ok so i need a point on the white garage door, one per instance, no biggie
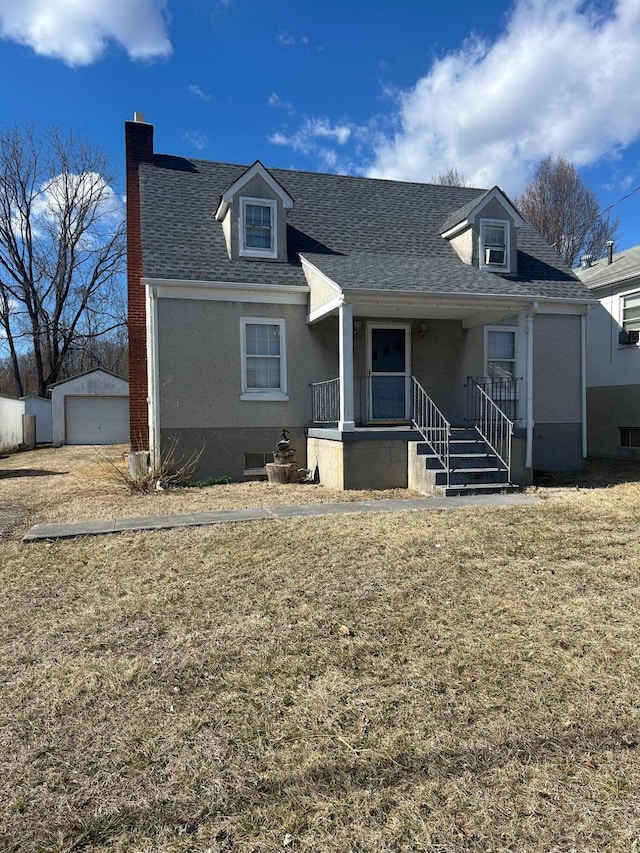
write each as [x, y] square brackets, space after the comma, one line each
[97, 420]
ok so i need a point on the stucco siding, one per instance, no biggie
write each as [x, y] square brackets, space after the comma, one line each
[201, 371]
[437, 365]
[463, 245]
[556, 369]
[321, 292]
[221, 452]
[557, 447]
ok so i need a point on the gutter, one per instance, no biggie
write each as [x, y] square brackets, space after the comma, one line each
[529, 333]
[153, 376]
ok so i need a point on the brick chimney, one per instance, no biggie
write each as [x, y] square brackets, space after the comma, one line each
[138, 149]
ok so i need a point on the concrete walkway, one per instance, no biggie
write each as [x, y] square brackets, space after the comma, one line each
[198, 519]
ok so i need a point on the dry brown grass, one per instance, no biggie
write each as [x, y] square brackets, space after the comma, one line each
[78, 484]
[464, 680]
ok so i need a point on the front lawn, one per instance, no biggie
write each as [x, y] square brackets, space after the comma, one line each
[435, 680]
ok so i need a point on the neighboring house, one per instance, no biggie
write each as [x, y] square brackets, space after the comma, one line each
[613, 360]
[91, 408]
[346, 310]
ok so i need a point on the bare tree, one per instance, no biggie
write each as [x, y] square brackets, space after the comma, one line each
[451, 177]
[566, 211]
[61, 249]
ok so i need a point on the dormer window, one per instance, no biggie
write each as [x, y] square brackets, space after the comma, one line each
[494, 245]
[258, 228]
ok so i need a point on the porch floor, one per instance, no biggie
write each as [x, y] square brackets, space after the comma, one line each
[401, 432]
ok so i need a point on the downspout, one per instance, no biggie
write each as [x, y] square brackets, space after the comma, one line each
[529, 332]
[583, 377]
[153, 376]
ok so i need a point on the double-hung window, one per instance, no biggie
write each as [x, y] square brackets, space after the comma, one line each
[494, 245]
[501, 353]
[264, 367]
[631, 318]
[258, 237]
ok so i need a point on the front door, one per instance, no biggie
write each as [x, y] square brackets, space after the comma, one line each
[389, 359]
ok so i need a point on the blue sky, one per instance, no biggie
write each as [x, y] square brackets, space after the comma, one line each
[398, 89]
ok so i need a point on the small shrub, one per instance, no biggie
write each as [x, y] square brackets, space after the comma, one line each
[169, 473]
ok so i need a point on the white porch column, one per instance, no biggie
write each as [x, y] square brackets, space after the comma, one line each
[583, 378]
[529, 383]
[345, 322]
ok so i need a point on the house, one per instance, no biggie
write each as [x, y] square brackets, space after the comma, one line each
[371, 318]
[90, 408]
[613, 355]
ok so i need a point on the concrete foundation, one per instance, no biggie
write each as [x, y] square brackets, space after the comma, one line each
[358, 461]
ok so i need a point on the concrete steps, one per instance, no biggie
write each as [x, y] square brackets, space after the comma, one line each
[473, 468]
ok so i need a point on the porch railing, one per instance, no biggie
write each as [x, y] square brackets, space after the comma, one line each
[375, 398]
[490, 421]
[325, 401]
[502, 390]
[431, 424]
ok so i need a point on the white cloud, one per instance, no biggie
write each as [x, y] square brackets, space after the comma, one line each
[305, 139]
[276, 101]
[288, 40]
[78, 33]
[562, 78]
[312, 140]
[196, 138]
[83, 204]
[285, 39]
[199, 93]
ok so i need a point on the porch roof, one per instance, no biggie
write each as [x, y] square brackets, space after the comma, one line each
[539, 277]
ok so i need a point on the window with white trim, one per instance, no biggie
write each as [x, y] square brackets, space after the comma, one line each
[258, 228]
[630, 319]
[494, 245]
[264, 366]
[501, 353]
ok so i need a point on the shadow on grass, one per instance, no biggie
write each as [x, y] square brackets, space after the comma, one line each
[8, 474]
[598, 474]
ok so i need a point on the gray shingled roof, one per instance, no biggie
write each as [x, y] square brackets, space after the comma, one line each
[461, 214]
[625, 265]
[363, 233]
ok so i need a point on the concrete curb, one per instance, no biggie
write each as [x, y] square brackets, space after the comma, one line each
[41, 532]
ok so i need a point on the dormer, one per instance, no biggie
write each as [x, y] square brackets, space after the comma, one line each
[252, 212]
[484, 233]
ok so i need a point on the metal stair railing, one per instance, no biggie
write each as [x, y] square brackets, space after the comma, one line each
[325, 401]
[431, 424]
[491, 422]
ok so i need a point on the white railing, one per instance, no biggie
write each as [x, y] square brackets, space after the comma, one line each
[491, 422]
[431, 424]
[325, 401]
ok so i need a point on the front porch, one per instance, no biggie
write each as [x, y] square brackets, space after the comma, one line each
[409, 372]
[422, 450]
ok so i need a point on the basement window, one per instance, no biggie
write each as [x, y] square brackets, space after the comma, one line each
[254, 464]
[630, 437]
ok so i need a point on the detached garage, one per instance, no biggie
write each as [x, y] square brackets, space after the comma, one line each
[91, 408]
